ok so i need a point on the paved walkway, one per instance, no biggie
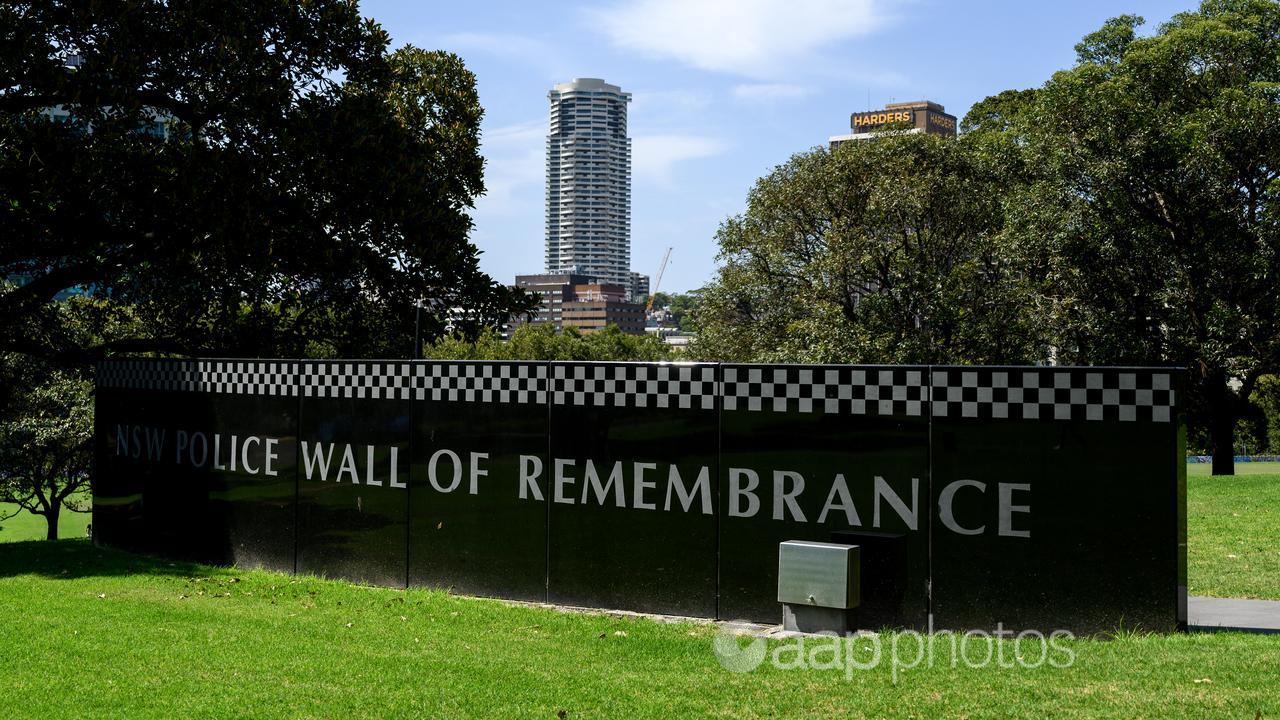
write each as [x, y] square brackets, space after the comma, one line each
[1223, 614]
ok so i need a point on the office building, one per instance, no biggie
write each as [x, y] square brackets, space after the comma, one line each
[570, 300]
[920, 116]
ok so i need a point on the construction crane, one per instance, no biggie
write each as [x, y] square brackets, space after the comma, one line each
[657, 281]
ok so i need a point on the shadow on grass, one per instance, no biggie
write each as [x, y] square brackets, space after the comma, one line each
[68, 559]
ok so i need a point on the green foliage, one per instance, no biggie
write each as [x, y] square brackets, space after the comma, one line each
[541, 342]
[1266, 396]
[999, 113]
[46, 414]
[878, 251]
[1108, 45]
[46, 437]
[682, 306]
[1148, 215]
[261, 178]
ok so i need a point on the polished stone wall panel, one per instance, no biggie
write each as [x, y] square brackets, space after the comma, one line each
[642, 547]
[1064, 504]
[189, 475]
[474, 529]
[858, 439]
[353, 472]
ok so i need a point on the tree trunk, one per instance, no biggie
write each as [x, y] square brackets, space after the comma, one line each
[1224, 445]
[51, 517]
[1222, 424]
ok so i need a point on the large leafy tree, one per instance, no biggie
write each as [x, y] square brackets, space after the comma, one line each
[882, 250]
[254, 178]
[541, 341]
[1153, 175]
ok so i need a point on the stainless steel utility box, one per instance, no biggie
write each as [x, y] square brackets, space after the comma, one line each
[818, 585]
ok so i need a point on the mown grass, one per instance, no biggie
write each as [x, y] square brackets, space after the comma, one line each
[1233, 535]
[93, 633]
[25, 526]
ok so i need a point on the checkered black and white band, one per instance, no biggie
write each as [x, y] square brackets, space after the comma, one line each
[359, 380]
[235, 377]
[1065, 394]
[831, 390]
[522, 383]
[1053, 394]
[653, 386]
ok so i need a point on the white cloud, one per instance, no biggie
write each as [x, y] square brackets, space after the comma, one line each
[755, 38]
[518, 135]
[770, 92]
[504, 44]
[654, 157]
[661, 111]
[543, 57]
[664, 102]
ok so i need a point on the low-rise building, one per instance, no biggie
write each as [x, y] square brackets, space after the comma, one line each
[580, 301]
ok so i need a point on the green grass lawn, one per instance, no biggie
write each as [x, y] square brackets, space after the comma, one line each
[25, 526]
[1233, 534]
[92, 633]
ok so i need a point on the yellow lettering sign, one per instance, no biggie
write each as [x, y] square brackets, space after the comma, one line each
[872, 119]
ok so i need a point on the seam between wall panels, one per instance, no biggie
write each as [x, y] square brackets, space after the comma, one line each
[297, 462]
[928, 603]
[408, 491]
[546, 532]
[719, 370]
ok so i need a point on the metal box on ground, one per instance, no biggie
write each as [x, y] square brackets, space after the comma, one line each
[818, 585]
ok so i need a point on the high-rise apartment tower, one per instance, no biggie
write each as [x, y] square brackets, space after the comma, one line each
[589, 182]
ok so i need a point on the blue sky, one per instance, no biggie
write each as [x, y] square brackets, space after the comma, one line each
[724, 90]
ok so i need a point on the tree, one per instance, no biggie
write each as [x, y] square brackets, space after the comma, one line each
[681, 306]
[541, 342]
[1149, 207]
[1267, 399]
[46, 413]
[46, 438]
[258, 178]
[878, 251]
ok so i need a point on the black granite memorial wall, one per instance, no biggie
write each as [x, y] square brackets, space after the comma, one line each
[1060, 492]
[1046, 498]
